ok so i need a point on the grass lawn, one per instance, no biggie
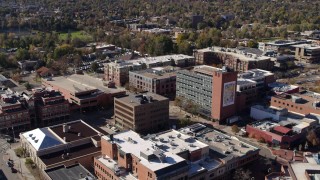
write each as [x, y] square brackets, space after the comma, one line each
[76, 34]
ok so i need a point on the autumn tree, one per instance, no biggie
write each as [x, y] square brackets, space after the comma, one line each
[235, 129]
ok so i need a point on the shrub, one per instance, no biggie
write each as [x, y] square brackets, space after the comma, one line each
[29, 161]
[20, 151]
[261, 140]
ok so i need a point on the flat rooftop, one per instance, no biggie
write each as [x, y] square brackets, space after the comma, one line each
[303, 97]
[205, 69]
[241, 54]
[49, 137]
[74, 128]
[286, 42]
[281, 87]
[254, 74]
[307, 46]
[140, 99]
[175, 142]
[131, 143]
[242, 82]
[151, 60]
[69, 173]
[74, 152]
[158, 72]
[80, 83]
[299, 169]
[264, 125]
[223, 146]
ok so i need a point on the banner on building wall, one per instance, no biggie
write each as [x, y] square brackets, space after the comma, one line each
[229, 93]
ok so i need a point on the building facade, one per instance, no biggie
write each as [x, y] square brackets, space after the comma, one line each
[172, 155]
[307, 53]
[62, 145]
[212, 89]
[304, 102]
[14, 113]
[235, 59]
[156, 80]
[50, 106]
[142, 113]
[127, 156]
[82, 91]
[118, 71]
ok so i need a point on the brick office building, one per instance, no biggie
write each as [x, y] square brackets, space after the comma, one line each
[252, 85]
[118, 71]
[14, 113]
[307, 53]
[213, 89]
[172, 155]
[64, 144]
[127, 156]
[160, 80]
[142, 113]
[50, 106]
[304, 102]
[235, 59]
[82, 91]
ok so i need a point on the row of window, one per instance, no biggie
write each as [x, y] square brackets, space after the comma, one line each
[288, 105]
[104, 171]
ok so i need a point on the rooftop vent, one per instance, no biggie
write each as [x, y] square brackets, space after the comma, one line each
[64, 128]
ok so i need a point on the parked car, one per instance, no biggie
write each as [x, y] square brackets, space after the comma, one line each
[10, 140]
[13, 170]
[9, 164]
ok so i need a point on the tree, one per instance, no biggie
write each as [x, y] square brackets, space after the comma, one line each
[178, 101]
[95, 66]
[62, 50]
[241, 174]
[76, 42]
[16, 77]
[252, 44]
[28, 86]
[22, 54]
[235, 129]
[313, 138]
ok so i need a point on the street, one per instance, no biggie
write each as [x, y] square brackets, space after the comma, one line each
[5, 170]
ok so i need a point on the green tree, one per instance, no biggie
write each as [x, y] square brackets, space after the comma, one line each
[184, 48]
[28, 86]
[160, 45]
[252, 44]
[62, 51]
[22, 54]
[95, 66]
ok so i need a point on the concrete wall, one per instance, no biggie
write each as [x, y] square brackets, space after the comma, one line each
[259, 114]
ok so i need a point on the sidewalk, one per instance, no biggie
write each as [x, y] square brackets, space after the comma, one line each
[19, 164]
